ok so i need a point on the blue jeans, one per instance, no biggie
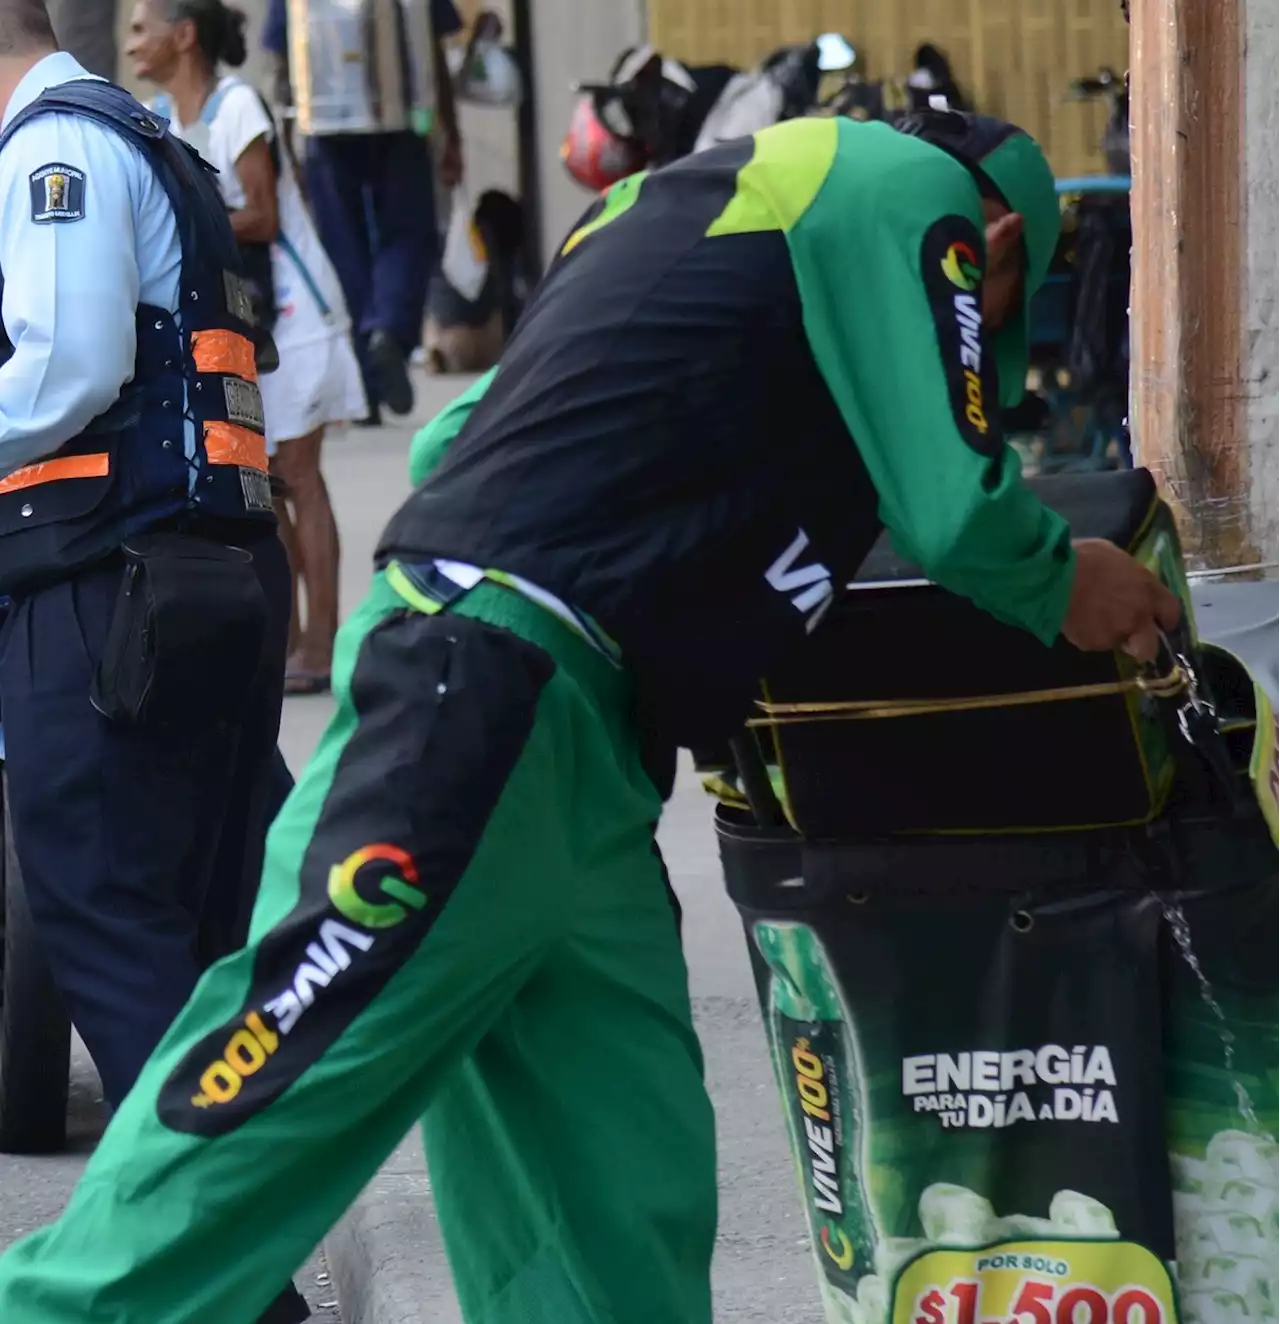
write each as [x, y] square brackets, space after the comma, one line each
[373, 199]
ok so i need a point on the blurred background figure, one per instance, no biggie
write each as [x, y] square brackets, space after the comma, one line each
[179, 45]
[372, 193]
[486, 70]
[467, 325]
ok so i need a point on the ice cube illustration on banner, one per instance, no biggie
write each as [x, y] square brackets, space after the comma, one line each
[1076, 1215]
[1226, 1216]
[956, 1216]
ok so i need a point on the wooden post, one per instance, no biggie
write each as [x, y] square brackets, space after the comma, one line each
[1192, 383]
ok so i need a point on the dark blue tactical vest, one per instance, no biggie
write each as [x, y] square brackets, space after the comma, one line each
[137, 466]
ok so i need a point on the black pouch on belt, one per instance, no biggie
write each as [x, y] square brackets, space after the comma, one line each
[186, 635]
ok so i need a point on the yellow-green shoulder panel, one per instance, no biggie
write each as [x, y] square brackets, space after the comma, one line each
[620, 197]
[786, 170]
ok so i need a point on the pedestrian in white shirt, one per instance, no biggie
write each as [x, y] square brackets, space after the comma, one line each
[180, 45]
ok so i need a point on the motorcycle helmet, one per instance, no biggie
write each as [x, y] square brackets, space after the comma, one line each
[593, 154]
[647, 101]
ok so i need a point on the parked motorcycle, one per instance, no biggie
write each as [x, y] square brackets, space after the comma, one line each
[1080, 317]
[785, 86]
[860, 98]
[654, 110]
[1109, 86]
[930, 85]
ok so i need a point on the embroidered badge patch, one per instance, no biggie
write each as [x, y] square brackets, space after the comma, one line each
[57, 194]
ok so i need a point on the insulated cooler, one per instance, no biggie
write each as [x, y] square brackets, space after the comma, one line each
[1026, 1052]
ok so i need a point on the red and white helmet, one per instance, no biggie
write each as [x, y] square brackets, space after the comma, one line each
[595, 156]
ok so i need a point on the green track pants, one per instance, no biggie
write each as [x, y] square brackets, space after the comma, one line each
[464, 918]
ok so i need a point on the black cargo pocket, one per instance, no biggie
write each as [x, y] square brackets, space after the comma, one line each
[186, 635]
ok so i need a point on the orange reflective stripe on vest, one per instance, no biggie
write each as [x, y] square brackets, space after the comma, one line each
[50, 471]
[225, 443]
[224, 351]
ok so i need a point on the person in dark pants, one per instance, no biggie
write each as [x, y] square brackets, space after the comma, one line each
[373, 198]
[142, 658]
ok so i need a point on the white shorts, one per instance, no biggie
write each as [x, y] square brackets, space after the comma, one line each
[316, 384]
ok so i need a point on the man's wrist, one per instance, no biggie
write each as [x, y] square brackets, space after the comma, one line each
[1059, 597]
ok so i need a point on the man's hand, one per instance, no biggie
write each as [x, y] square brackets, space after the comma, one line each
[1116, 603]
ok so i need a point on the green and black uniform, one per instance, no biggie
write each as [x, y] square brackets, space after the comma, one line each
[736, 372]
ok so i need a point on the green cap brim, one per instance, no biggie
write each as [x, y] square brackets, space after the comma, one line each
[1013, 355]
[1017, 167]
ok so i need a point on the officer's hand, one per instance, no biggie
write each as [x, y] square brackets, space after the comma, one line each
[1116, 603]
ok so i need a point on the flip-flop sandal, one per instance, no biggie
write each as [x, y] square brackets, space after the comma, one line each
[306, 682]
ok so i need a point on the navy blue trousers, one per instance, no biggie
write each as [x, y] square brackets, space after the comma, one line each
[373, 199]
[278, 788]
[141, 849]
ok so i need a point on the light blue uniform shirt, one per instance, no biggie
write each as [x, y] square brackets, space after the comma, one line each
[72, 286]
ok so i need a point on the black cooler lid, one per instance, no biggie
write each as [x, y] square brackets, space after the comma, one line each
[1111, 505]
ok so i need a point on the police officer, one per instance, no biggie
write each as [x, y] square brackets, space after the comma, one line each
[374, 204]
[142, 662]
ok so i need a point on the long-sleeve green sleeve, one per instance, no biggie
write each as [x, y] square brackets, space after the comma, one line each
[889, 258]
[430, 442]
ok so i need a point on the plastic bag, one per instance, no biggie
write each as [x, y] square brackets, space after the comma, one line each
[486, 71]
[489, 76]
[465, 264]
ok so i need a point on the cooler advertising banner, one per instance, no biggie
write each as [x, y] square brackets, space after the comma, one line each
[1063, 1114]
